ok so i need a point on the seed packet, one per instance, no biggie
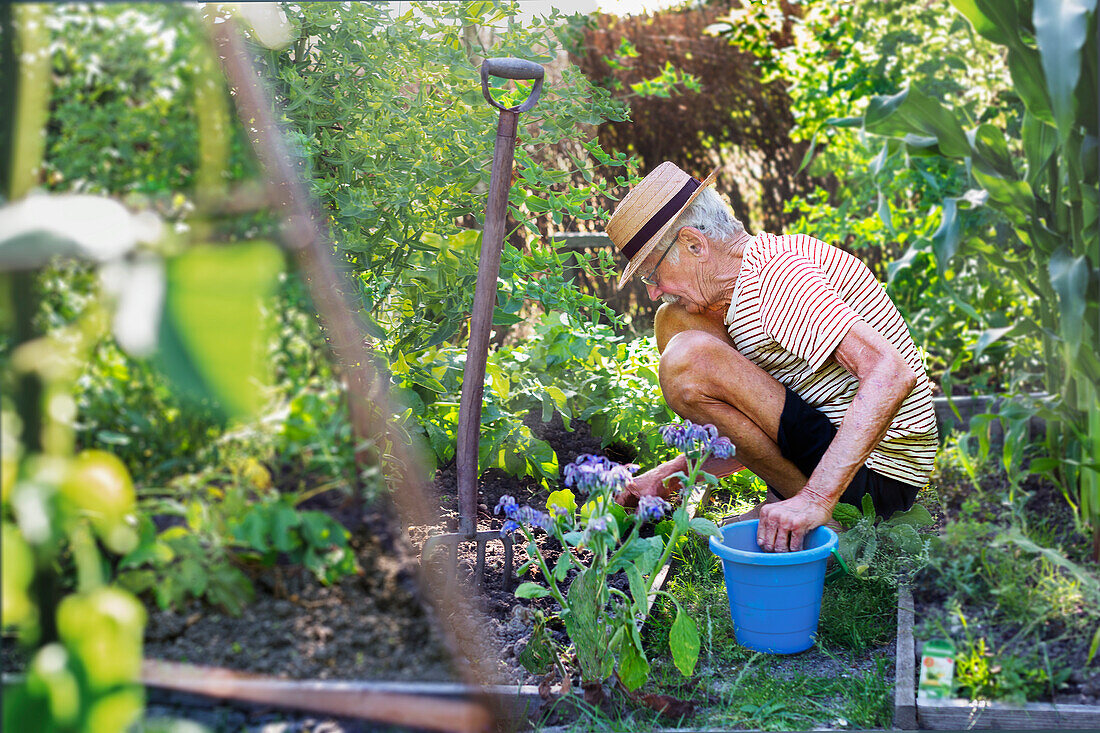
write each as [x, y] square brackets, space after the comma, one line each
[937, 670]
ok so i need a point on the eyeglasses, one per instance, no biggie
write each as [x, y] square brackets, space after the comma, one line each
[650, 279]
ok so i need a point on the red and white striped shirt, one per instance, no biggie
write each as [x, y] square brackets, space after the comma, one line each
[795, 299]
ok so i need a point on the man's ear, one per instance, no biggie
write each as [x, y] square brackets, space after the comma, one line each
[695, 241]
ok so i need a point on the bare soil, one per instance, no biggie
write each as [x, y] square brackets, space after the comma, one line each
[375, 625]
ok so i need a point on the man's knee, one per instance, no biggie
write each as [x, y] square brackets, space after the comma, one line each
[687, 365]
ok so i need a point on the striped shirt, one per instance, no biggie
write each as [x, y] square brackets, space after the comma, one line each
[795, 299]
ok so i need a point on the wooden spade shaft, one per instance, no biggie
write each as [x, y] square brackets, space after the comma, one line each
[485, 295]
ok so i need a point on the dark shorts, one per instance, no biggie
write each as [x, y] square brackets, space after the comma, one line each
[804, 435]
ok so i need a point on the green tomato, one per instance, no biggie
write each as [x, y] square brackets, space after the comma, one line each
[18, 572]
[104, 629]
[99, 485]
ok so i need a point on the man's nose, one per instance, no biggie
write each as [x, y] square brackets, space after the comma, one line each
[654, 291]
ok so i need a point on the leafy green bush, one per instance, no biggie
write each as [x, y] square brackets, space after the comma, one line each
[831, 58]
[225, 523]
[389, 118]
[580, 370]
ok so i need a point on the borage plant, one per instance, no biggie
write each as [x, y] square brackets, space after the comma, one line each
[599, 539]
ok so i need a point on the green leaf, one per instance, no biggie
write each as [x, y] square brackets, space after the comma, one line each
[1025, 67]
[563, 499]
[637, 591]
[192, 576]
[581, 623]
[284, 519]
[706, 527]
[993, 19]
[643, 551]
[561, 567]
[906, 538]
[918, 119]
[990, 152]
[945, 240]
[1061, 32]
[253, 529]
[633, 666]
[531, 590]
[868, 505]
[212, 340]
[683, 642]
[846, 514]
[1094, 646]
[1070, 277]
[1040, 145]
[537, 656]
[917, 516]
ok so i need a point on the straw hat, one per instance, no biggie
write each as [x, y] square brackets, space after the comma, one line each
[647, 212]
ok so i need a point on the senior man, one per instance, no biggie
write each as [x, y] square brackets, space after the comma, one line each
[789, 346]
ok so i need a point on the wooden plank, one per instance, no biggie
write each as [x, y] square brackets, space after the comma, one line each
[905, 692]
[579, 240]
[985, 715]
[427, 705]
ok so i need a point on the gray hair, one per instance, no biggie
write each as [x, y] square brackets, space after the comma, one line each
[708, 213]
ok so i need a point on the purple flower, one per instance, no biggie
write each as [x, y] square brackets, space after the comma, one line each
[674, 435]
[510, 526]
[534, 517]
[507, 504]
[723, 448]
[652, 508]
[589, 473]
[599, 524]
[696, 440]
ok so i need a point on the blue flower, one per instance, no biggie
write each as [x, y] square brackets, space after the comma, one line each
[652, 508]
[507, 504]
[589, 473]
[696, 440]
[534, 517]
[674, 435]
[599, 524]
[510, 526]
[723, 448]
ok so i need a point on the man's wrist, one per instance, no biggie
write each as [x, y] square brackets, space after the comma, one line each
[819, 497]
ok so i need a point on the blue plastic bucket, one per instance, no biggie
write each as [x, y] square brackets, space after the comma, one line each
[775, 597]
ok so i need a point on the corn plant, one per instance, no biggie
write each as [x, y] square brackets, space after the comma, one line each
[1038, 172]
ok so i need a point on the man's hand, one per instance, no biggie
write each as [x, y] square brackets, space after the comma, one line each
[650, 483]
[784, 524]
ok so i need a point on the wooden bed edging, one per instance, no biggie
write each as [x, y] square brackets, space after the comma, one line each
[441, 706]
[911, 713]
[984, 715]
[905, 678]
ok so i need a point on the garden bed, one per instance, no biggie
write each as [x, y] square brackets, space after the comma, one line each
[1011, 587]
[960, 714]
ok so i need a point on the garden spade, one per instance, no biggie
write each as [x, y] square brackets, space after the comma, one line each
[485, 294]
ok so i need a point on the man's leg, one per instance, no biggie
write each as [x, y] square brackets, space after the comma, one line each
[706, 380]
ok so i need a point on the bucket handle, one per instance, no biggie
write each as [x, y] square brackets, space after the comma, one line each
[840, 569]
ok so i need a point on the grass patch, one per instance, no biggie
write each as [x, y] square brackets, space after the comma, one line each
[844, 681]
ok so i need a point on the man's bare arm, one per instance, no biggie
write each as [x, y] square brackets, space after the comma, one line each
[885, 381]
